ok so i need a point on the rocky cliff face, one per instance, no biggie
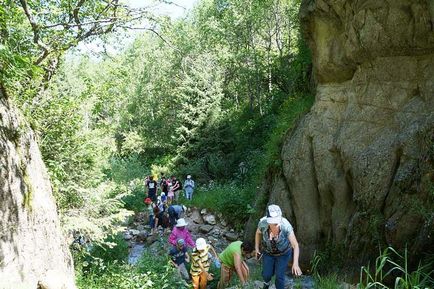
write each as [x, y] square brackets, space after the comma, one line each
[32, 247]
[358, 169]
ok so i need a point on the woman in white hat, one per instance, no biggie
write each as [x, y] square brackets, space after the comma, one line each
[180, 231]
[278, 243]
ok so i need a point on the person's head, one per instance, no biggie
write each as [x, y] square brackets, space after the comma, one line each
[151, 178]
[247, 248]
[173, 177]
[274, 215]
[181, 223]
[200, 244]
[189, 177]
[180, 243]
[163, 177]
[148, 201]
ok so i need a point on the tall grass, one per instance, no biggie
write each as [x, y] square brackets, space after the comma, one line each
[392, 271]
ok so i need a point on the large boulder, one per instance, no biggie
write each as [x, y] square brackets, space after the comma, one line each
[358, 168]
[32, 247]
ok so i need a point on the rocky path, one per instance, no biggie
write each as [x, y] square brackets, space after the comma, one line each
[201, 224]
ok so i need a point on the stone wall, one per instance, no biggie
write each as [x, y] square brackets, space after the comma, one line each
[358, 168]
[32, 246]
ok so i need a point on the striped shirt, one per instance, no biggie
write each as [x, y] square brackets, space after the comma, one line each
[199, 256]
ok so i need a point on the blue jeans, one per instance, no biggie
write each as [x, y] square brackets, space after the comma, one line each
[275, 265]
[188, 193]
[173, 216]
[151, 221]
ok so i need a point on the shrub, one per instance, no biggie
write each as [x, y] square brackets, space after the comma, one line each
[392, 270]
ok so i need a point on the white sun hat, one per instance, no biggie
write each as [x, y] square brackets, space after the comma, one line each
[201, 244]
[274, 214]
[181, 223]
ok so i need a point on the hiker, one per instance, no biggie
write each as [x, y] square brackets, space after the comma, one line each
[170, 193]
[150, 211]
[155, 213]
[175, 212]
[178, 255]
[200, 264]
[163, 185]
[176, 188]
[277, 239]
[232, 261]
[163, 198]
[189, 188]
[181, 232]
[161, 218]
[152, 188]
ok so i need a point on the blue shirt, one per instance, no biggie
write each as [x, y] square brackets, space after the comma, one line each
[178, 256]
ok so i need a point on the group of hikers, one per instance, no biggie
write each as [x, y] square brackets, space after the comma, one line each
[164, 209]
[275, 243]
[170, 188]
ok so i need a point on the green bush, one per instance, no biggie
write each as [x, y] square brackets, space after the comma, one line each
[123, 170]
[233, 200]
[134, 200]
[114, 249]
[109, 270]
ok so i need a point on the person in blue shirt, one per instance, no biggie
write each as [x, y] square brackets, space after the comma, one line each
[178, 256]
[189, 188]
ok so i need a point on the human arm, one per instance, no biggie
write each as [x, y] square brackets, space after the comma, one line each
[258, 237]
[187, 257]
[188, 240]
[172, 259]
[295, 268]
[214, 252]
[176, 186]
[238, 264]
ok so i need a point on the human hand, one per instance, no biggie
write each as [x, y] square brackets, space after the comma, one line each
[258, 255]
[296, 271]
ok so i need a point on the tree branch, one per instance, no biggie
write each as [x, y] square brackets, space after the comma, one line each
[155, 32]
[35, 29]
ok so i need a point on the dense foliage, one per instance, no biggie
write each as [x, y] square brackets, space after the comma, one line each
[211, 95]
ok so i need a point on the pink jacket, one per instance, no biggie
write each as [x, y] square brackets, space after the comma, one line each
[181, 234]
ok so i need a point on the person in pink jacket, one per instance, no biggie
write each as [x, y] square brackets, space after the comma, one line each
[181, 232]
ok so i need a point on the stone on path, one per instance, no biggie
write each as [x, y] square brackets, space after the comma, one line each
[210, 219]
[134, 232]
[141, 237]
[205, 229]
[231, 236]
[196, 217]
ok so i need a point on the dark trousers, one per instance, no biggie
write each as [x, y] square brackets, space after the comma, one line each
[173, 217]
[153, 196]
[275, 265]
